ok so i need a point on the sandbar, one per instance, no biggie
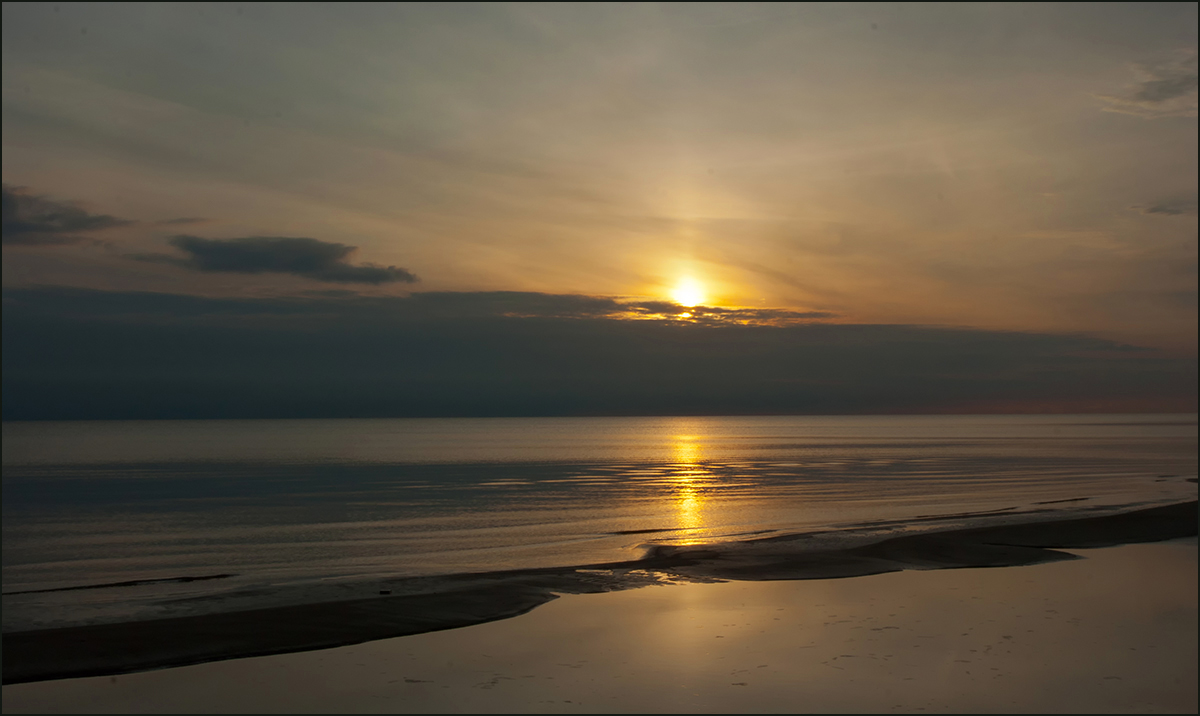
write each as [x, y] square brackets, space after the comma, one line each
[1113, 632]
[477, 601]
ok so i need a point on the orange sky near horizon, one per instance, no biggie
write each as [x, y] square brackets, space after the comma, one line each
[1012, 167]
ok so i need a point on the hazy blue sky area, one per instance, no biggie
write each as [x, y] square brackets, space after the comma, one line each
[325, 210]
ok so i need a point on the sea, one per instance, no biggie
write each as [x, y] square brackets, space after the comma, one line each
[115, 521]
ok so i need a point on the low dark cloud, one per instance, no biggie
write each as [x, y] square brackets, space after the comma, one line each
[32, 220]
[1164, 89]
[72, 353]
[310, 258]
[1169, 207]
[524, 304]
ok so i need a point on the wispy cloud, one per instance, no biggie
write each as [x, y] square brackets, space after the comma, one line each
[182, 221]
[1169, 207]
[1163, 89]
[32, 220]
[310, 258]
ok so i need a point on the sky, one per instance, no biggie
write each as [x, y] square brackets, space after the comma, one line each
[284, 210]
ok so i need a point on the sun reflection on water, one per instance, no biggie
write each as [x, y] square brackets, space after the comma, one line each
[687, 474]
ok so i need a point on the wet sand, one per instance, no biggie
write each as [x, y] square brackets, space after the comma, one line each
[433, 604]
[1113, 632]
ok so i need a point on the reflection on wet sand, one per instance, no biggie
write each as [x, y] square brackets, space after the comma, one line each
[417, 605]
[1113, 632]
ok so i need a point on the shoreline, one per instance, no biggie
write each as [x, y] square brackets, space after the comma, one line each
[1111, 632]
[465, 600]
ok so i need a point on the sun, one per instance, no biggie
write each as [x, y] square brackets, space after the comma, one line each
[688, 293]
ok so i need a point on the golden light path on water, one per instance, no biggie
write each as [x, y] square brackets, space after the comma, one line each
[689, 496]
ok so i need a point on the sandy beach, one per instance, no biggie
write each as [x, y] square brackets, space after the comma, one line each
[1099, 630]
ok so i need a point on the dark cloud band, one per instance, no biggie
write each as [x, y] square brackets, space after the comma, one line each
[92, 354]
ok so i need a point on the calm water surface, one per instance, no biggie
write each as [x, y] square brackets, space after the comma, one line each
[304, 510]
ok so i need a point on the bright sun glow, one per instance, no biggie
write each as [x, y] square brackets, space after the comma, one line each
[688, 293]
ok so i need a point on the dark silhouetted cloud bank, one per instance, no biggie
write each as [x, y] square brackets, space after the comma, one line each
[72, 353]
